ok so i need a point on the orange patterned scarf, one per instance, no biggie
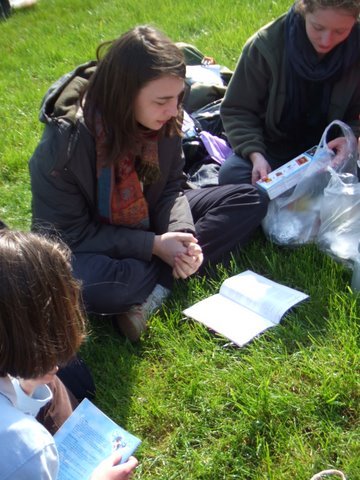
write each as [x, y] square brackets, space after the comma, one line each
[120, 197]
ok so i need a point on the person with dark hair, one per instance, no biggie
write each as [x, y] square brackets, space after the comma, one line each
[41, 327]
[293, 78]
[107, 176]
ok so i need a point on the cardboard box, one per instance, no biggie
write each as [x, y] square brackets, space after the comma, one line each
[287, 176]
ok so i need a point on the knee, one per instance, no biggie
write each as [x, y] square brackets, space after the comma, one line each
[259, 200]
[235, 170]
[225, 171]
[253, 201]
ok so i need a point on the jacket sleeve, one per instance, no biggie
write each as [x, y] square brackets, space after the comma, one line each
[347, 96]
[244, 106]
[169, 207]
[63, 205]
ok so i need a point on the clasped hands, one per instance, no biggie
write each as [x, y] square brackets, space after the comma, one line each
[179, 250]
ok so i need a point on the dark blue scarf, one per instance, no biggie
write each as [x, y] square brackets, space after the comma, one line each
[303, 65]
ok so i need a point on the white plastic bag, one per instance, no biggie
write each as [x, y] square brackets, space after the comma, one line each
[339, 232]
[293, 218]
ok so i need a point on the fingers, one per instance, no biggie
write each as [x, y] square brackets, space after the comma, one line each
[259, 173]
[255, 175]
[185, 237]
[127, 468]
[340, 147]
[168, 245]
[114, 459]
[111, 469]
[261, 167]
[265, 170]
[133, 462]
[186, 265]
[337, 143]
[193, 249]
[181, 272]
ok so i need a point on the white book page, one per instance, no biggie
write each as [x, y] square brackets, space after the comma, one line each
[230, 319]
[87, 438]
[263, 296]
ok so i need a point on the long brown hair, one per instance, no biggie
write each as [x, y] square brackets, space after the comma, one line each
[41, 319]
[125, 66]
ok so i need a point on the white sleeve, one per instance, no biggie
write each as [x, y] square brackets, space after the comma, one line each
[43, 465]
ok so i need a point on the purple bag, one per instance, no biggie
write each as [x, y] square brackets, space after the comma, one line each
[216, 147]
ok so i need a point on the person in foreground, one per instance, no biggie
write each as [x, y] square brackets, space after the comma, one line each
[294, 77]
[108, 177]
[41, 327]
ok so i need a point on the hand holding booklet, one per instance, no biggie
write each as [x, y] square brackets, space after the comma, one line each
[246, 305]
[87, 438]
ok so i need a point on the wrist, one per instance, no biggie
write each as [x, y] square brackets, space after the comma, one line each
[255, 156]
[156, 245]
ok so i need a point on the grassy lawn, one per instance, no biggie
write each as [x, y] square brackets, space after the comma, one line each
[283, 407]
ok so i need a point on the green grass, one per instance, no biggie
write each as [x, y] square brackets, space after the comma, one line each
[283, 407]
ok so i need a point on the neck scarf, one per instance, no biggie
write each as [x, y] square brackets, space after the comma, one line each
[303, 64]
[120, 197]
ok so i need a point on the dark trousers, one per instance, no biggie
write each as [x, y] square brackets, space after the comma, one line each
[224, 217]
[112, 286]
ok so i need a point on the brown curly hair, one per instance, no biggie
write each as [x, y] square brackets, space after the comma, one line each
[309, 6]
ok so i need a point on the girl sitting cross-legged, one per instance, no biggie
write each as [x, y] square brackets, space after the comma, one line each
[107, 176]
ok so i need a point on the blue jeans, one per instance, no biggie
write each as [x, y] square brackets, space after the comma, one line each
[236, 169]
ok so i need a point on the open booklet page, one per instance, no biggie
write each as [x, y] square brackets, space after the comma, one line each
[87, 438]
[263, 296]
[247, 305]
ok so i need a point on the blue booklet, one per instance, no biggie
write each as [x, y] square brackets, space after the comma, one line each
[87, 438]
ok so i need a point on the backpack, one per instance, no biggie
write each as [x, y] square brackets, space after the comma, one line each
[204, 141]
[204, 151]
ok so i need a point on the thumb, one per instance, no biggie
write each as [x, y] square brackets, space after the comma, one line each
[102, 470]
[114, 459]
[186, 237]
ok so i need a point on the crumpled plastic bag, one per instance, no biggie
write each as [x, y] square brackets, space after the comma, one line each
[339, 232]
[294, 218]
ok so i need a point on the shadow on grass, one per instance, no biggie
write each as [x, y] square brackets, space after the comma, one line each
[114, 362]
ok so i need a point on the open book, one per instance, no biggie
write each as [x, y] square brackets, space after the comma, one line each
[87, 438]
[246, 305]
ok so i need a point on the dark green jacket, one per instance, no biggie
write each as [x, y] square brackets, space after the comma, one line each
[63, 181]
[254, 101]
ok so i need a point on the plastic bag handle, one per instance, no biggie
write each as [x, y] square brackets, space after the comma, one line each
[346, 131]
[320, 475]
